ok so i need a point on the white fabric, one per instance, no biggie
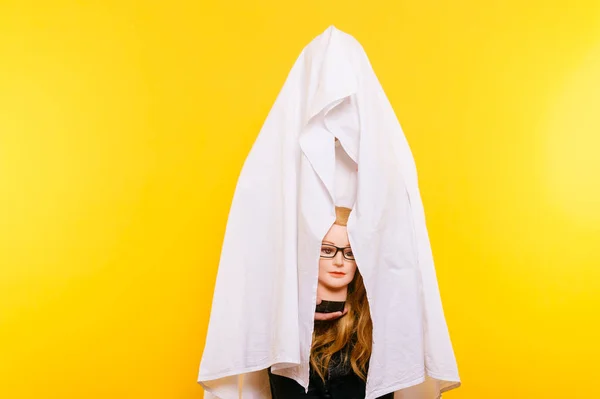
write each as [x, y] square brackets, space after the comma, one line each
[345, 177]
[265, 295]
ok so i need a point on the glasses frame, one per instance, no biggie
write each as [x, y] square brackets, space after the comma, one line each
[337, 249]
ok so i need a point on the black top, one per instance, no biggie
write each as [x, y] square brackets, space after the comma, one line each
[341, 383]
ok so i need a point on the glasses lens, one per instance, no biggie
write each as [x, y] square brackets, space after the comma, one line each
[327, 251]
[348, 254]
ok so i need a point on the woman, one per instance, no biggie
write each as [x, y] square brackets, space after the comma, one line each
[341, 347]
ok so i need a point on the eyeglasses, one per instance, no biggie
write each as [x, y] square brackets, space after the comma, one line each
[330, 251]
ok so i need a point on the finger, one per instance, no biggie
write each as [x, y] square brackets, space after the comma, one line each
[327, 316]
[319, 300]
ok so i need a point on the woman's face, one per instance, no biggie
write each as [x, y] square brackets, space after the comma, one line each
[338, 272]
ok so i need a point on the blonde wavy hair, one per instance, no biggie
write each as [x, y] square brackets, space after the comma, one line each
[330, 337]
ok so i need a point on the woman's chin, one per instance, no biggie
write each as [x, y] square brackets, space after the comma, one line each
[335, 285]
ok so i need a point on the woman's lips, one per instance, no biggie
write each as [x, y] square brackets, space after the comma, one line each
[337, 274]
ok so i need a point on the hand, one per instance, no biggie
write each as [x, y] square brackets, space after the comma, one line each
[329, 316]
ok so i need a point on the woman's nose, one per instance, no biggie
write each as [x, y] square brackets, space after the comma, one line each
[338, 259]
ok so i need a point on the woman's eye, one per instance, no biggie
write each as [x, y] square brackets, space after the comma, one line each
[326, 250]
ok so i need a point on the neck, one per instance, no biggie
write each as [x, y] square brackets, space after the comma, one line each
[332, 294]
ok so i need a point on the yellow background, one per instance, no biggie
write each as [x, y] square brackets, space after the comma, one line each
[124, 125]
